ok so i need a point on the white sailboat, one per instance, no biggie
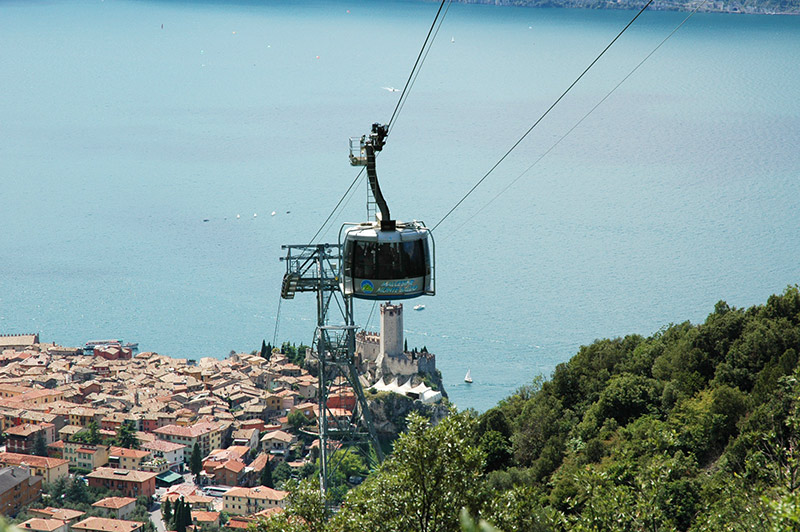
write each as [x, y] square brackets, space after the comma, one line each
[468, 376]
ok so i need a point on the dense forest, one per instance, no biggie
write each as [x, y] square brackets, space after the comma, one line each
[724, 6]
[696, 427]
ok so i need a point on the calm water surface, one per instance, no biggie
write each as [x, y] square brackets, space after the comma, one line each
[118, 138]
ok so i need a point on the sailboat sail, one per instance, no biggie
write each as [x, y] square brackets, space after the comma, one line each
[468, 377]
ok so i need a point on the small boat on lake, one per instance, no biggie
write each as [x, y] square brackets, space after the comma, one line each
[468, 376]
[419, 307]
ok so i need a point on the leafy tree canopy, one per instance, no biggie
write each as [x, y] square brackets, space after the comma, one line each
[694, 428]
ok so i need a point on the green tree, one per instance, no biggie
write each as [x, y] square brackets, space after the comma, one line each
[166, 511]
[344, 464]
[181, 516]
[281, 473]
[266, 351]
[5, 527]
[126, 435]
[77, 492]
[177, 516]
[266, 476]
[496, 449]
[433, 473]
[306, 511]
[298, 420]
[93, 437]
[57, 489]
[496, 420]
[187, 515]
[196, 461]
[39, 446]
[468, 524]
[518, 508]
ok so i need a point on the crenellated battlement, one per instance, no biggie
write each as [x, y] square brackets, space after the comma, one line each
[381, 357]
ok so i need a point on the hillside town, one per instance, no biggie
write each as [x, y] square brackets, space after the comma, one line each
[156, 433]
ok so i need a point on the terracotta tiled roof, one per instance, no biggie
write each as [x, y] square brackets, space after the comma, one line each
[189, 499]
[31, 460]
[161, 445]
[278, 435]
[101, 524]
[41, 525]
[261, 492]
[128, 453]
[25, 430]
[205, 517]
[125, 475]
[114, 503]
[233, 452]
[191, 431]
[268, 512]
[64, 514]
[238, 524]
[260, 461]
[233, 465]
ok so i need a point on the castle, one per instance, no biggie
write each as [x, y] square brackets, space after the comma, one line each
[383, 355]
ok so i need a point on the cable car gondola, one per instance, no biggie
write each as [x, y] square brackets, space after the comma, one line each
[385, 259]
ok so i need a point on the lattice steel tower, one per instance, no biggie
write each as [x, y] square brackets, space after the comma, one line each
[315, 268]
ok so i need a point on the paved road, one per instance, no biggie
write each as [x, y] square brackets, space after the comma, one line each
[155, 517]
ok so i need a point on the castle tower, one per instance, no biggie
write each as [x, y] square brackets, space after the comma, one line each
[391, 330]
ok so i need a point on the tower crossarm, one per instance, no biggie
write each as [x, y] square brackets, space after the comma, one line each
[310, 268]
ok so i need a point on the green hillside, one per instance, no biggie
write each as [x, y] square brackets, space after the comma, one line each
[695, 428]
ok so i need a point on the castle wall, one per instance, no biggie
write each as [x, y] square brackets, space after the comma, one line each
[427, 363]
[399, 365]
[368, 346]
[382, 354]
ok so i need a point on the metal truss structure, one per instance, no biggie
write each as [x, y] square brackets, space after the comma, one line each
[315, 268]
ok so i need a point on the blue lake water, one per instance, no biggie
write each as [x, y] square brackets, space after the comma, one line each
[118, 138]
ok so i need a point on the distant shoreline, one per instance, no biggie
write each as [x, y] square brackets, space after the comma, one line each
[744, 7]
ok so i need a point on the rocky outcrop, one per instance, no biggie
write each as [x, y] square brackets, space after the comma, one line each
[390, 410]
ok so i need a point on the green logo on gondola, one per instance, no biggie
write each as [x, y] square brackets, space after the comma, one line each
[367, 286]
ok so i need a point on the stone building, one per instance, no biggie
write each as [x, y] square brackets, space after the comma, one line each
[384, 355]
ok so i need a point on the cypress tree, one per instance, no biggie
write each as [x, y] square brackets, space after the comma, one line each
[177, 517]
[170, 525]
[196, 463]
[39, 446]
[266, 476]
[187, 515]
[166, 512]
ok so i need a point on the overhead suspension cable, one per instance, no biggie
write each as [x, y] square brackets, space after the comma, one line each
[517, 143]
[277, 322]
[371, 312]
[346, 192]
[426, 54]
[423, 54]
[418, 63]
[584, 117]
